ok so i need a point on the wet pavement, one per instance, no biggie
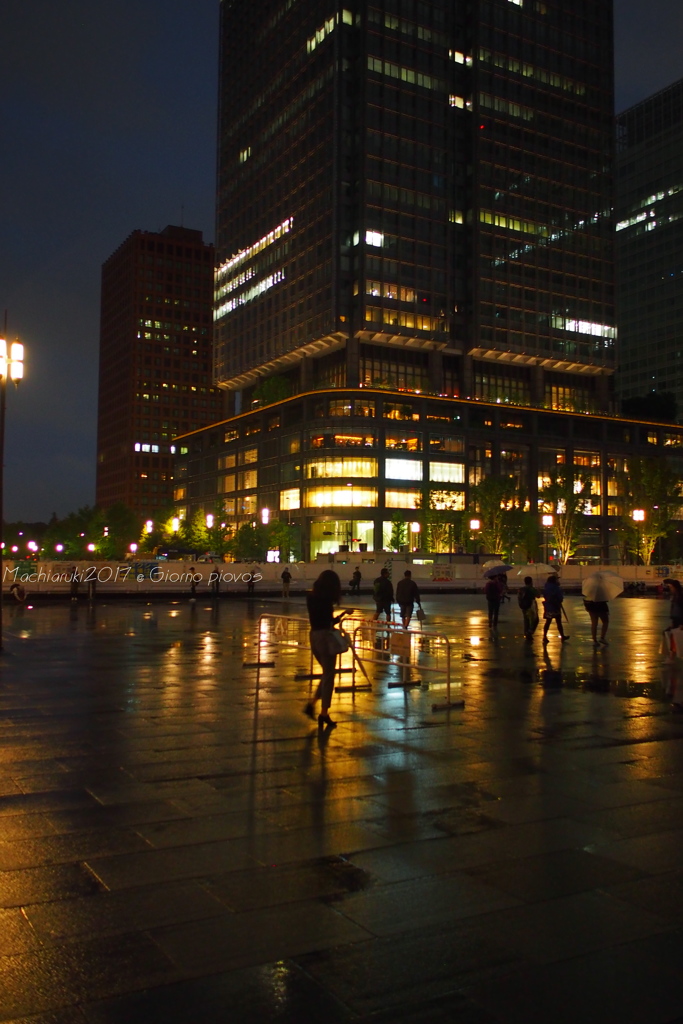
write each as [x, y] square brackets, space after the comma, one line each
[179, 843]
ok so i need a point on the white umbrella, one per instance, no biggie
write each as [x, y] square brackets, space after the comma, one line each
[493, 562]
[602, 586]
[536, 570]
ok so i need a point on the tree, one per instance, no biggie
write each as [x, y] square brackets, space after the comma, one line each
[444, 522]
[194, 533]
[653, 486]
[399, 531]
[120, 527]
[567, 496]
[280, 536]
[250, 542]
[497, 500]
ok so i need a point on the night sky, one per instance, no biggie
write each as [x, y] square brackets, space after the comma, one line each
[108, 124]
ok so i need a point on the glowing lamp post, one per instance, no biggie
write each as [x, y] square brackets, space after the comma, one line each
[11, 368]
[638, 516]
[415, 531]
[547, 521]
[475, 527]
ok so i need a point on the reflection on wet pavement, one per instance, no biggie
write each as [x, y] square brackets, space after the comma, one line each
[178, 842]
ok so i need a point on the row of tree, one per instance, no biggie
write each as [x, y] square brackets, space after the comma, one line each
[508, 525]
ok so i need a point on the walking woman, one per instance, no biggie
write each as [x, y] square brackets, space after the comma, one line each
[325, 594]
[552, 608]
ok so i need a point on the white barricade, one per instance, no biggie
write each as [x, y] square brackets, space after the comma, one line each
[383, 643]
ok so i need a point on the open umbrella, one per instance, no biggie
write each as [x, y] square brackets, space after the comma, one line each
[602, 586]
[497, 570]
[537, 570]
[493, 562]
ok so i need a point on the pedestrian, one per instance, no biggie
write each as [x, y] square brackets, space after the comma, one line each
[676, 606]
[286, 578]
[383, 593]
[18, 592]
[355, 581]
[552, 608]
[526, 599]
[599, 612]
[320, 601]
[193, 583]
[407, 596]
[502, 579]
[492, 594]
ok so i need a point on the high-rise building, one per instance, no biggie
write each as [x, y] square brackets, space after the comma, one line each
[650, 245]
[155, 363]
[414, 199]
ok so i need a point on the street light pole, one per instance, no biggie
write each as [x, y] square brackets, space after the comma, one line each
[12, 366]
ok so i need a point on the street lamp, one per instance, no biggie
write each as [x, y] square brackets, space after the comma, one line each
[415, 530]
[12, 368]
[547, 521]
[638, 516]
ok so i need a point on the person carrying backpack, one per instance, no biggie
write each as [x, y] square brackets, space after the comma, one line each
[383, 593]
[526, 599]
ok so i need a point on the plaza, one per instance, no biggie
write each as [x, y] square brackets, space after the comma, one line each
[179, 843]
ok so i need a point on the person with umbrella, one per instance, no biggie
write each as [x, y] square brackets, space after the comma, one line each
[597, 590]
[553, 598]
[526, 599]
[493, 592]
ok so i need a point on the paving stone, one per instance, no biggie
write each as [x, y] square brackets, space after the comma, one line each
[550, 875]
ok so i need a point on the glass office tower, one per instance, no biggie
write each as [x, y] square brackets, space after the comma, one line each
[650, 245]
[417, 195]
[413, 207]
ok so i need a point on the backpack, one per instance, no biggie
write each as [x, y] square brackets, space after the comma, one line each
[525, 599]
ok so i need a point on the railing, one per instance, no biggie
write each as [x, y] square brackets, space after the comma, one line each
[383, 643]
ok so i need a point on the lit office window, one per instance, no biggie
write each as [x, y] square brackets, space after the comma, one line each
[341, 497]
[290, 499]
[447, 472]
[402, 499]
[403, 469]
[330, 467]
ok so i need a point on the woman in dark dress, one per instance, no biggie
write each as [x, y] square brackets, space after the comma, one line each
[326, 593]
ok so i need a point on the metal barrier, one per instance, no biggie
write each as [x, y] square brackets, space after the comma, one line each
[379, 642]
[277, 631]
[372, 642]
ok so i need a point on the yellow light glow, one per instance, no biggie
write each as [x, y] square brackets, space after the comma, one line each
[638, 515]
[475, 524]
[547, 520]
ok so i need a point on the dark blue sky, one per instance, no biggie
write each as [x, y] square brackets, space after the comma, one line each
[108, 124]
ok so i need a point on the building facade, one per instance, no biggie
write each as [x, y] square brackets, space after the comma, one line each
[339, 464]
[649, 233]
[155, 363]
[417, 194]
[414, 210]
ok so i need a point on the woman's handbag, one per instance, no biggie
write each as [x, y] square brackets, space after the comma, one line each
[340, 641]
[420, 614]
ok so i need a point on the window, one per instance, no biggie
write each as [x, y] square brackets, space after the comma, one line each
[400, 412]
[247, 505]
[403, 442]
[403, 469]
[345, 497]
[447, 472]
[248, 455]
[226, 484]
[673, 440]
[443, 443]
[226, 461]
[290, 499]
[348, 407]
[344, 467]
[248, 479]
[402, 499]
[375, 238]
[343, 440]
[651, 438]
[447, 501]
[231, 435]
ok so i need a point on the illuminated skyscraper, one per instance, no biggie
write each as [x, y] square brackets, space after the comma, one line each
[417, 194]
[414, 235]
[155, 356]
